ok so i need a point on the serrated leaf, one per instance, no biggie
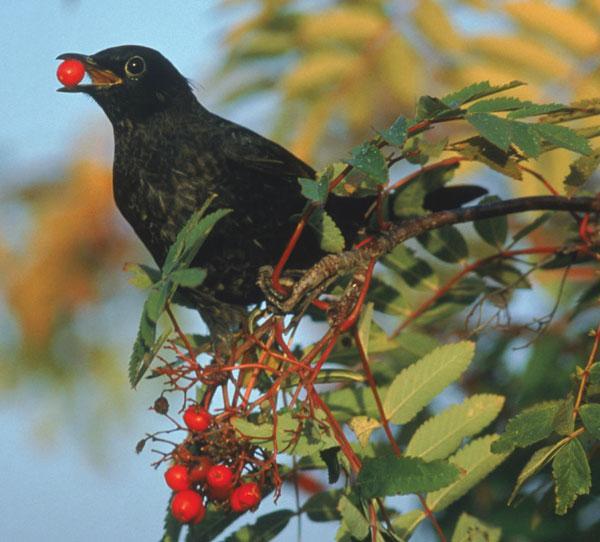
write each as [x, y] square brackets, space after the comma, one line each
[561, 136]
[505, 103]
[315, 191]
[353, 519]
[214, 522]
[143, 355]
[190, 238]
[481, 150]
[595, 373]
[590, 415]
[363, 426]
[323, 506]
[471, 529]
[364, 326]
[350, 402]
[431, 108]
[532, 110]
[405, 524]
[188, 278]
[142, 276]
[572, 476]
[368, 159]
[536, 463]
[330, 236]
[418, 384]
[529, 426]
[581, 170]
[392, 475]
[446, 243]
[442, 434]
[492, 230]
[414, 271]
[172, 527]
[265, 528]
[475, 461]
[476, 91]
[396, 134]
[563, 422]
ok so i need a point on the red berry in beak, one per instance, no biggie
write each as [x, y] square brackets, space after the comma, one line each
[70, 72]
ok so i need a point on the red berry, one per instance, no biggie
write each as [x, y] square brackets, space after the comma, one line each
[219, 477]
[177, 478]
[244, 497]
[187, 505]
[199, 471]
[218, 493]
[234, 502]
[70, 72]
[197, 419]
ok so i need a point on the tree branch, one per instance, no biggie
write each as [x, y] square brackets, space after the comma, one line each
[316, 279]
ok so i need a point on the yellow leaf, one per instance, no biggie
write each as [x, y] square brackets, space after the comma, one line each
[318, 70]
[347, 24]
[522, 53]
[363, 426]
[431, 19]
[564, 25]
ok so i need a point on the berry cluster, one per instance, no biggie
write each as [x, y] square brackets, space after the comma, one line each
[194, 478]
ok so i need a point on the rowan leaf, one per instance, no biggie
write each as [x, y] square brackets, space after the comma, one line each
[330, 236]
[142, 276]
[581, 170]
[572, 476]
[475, 461]
[368, 159]
[561, 136]
[418, 384]
[363, 426]
[505, 103]
[476, 91]
[265, 528]
[353, 519]
[323, 506]
[492, 230]
[314, 190]
[442, 434]
[396, 134]
[590, 415]
[391, 475]
[446, 243]
[529, 426]
[536, 463]
[190, 277]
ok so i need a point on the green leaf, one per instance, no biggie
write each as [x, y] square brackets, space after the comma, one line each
[353, 519]
[498, 131]
[295, 435]
[363, 426]
[391, 475]
[471, 529]
[142, 354]
[492, 230]
[396, 134]
[188, 278]
[215, 522]
[481, 150]
[446, 243]
[572, 476]
[442, 434]
[475, 461]
[532, 110]
[590, 415]
[172, 527]
[505, 103]
[595, 373]
[418, 384]
[368, 159]
[191, 237]
[350, 402]
[330, 236]
[476, 91]
[536, 463]
[265, 528]
[581, 170]
[315, 191]
[142, 276]
[323, 506]
[157, 299]
[526, 230]
[405, 524]
[561, 136]
[563, 422]
[416, 272]
[529, 426]
[432, 108]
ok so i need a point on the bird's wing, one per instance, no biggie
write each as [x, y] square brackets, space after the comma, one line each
[253, 151]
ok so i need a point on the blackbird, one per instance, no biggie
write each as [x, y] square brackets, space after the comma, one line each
[171, 154]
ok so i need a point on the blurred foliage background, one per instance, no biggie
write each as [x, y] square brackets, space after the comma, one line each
[323, 74]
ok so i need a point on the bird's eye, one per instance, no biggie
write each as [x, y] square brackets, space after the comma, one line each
[135, 66]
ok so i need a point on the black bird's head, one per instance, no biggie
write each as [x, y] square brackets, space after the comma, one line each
[131, 82]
